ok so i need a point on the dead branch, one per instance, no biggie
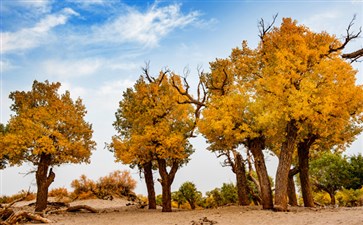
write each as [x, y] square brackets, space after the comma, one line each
[77, 208]
[146, 72]
[17, 200]
[265, 28]
[5, 214]
[18, 216]
[353, 56]
[199, 102]
[349, 36]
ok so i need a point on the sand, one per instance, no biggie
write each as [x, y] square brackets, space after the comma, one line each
[116, 212]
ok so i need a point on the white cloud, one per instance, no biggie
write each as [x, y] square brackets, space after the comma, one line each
[75, 91]
[325, 21]
[71, 68]
[146, 28]
[115, 87]
[33, 37]
[5, 66]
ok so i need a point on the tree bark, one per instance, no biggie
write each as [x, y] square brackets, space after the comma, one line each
[285, 158]
[44, 180]
[256, 147]
[332, 197]
[192, 204]
[291, 191]
[353, 55]
[149, 180]
[242, 186]
[303, 154]
[166, 181]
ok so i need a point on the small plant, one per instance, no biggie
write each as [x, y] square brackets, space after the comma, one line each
[117, 183]
[59, 193]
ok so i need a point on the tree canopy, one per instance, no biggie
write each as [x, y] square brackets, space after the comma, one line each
[47, 130]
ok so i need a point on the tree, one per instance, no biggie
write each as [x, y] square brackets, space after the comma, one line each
[294, 90]
[356, 172]
[47, 130]
[154, 128]
[190, 193]
[330, 173]
[3, 157]
[306, 85]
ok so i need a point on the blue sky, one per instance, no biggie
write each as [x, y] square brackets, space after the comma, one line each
[96, 48]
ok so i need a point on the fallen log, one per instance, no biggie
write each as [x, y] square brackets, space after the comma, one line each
[78, 208]
[18, 216]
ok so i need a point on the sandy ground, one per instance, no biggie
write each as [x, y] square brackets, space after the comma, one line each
[117, 213]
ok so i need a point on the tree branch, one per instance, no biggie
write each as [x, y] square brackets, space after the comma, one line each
[348, 37]
[265, 28]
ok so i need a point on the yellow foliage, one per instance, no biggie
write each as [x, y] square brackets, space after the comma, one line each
[151, 123]
[46, 122]
[288, 77]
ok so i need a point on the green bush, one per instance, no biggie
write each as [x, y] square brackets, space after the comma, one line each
[350, 197]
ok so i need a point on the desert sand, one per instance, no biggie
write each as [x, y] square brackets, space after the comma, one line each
[116, 212]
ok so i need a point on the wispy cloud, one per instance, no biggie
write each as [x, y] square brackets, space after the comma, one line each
[71, 68]
[115, 87]
[41, 6]
[145, 28]
[34, 36]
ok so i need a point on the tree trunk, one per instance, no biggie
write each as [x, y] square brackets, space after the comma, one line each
[192, 204]
[242, 186]
[303, 153]
[44, 180]
[149, 180]
[332, 197]
[256, 146]
[282, 174]
[291, 191]
[166, 181]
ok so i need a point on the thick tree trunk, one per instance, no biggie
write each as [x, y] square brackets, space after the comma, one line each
[256, 146]
[303, 153]
[242, 185]
[291, 191]
[149, 180]
[282, 174]
[44, 180]
[166, 181]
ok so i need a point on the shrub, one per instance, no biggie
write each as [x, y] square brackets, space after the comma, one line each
[229, 193]
[117, 183]
[350, 197]
[214, 198]
[29, 196]
[322, 198]
[59, 193]
[190, 193]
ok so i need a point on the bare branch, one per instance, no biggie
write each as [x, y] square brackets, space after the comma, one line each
[349, 36]
[146, 72]
[166, 71]
[265, 28]
[353, 56]
[199, 102]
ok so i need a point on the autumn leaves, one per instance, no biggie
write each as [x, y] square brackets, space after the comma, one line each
[288, 91]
